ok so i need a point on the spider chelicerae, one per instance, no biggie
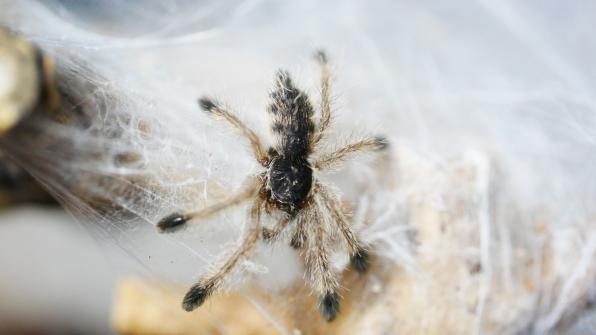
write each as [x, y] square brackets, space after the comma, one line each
[288, 191]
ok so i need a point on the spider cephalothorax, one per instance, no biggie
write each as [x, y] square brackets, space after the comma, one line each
[289, 179]
[287, 185]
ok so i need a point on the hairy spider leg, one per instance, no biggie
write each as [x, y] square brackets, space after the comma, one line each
[322, 276]
[325, 104]
[270, 235]
[209, 284]
[214, 108]
[330, 160]
[359, 259]
[299, 236]
[175, 221]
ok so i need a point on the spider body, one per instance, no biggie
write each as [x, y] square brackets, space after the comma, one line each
[290, 175]
[289, 185]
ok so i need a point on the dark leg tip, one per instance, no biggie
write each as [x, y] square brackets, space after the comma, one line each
[321, 56]
[329, 306]
[171, 222]
[207, 104]
[195, 297]
[382, 142]
[359, 261]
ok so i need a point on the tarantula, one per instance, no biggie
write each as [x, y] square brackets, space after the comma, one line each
[288, 189]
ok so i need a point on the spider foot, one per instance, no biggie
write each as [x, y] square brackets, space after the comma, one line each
[321, 56]
[172, 222]
[382, 142]
[329, 306]
[207, 104]
[196, 296]
[359, 260]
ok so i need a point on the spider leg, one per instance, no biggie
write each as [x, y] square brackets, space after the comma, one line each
[325, 107]
[329, 160]
[199, 292]
[211, 106]
[358, 254]
[176, 220]
[299, 237]
[322, 275]
[271, 235]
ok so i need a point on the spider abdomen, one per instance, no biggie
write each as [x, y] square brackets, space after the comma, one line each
[290, 181]
[291, 113]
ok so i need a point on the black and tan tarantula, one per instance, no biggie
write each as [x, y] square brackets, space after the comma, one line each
[288, 189]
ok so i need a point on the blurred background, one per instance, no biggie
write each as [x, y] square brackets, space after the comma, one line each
[55, 278]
